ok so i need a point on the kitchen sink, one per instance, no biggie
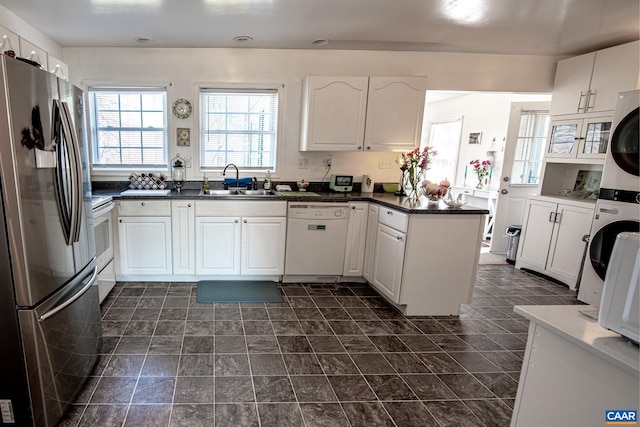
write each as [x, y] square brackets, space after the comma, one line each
[238, 193]
[218, 193]
[256, 192]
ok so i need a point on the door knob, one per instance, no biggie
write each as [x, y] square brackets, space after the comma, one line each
[504, 191]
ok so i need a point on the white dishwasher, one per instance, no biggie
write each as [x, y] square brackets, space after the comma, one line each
[316, 238]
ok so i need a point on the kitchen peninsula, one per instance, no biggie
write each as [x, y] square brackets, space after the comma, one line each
[420, 256]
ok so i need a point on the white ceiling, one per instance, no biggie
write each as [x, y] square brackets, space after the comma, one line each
[545, 27]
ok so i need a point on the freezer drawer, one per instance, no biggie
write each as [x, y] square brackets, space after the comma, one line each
[61, 347]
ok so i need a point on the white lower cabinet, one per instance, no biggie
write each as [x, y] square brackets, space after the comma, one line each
[263, 240]
[356, 239]
[370, 242]
[183, 236]
[240, 245]
[145, 245]
[551, 241]
[144, 237]
[388, 261]
[218, 245]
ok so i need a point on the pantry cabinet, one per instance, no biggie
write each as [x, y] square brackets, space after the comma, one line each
[356, 239]
[552, 237]
[144, 237]
[590, 82]
[361, 113]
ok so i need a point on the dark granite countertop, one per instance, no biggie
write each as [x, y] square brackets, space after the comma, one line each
[383, 199]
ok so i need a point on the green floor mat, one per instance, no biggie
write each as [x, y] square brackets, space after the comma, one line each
[210, 291]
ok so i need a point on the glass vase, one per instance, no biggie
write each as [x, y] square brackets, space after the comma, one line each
[412, 185]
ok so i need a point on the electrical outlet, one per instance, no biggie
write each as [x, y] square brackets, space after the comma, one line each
[326, 160]
[303, 163]
[385, 164]
[187, 162]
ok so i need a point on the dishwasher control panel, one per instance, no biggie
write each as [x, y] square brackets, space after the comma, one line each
[318, 211]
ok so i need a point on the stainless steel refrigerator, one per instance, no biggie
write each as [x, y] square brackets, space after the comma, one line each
[49, 310]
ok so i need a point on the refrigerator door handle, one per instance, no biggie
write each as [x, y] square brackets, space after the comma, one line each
[69, 205]
[58, 141]
[76, 172]
[67, 303]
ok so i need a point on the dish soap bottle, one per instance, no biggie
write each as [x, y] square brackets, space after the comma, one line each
[205, 185]
[267, 180]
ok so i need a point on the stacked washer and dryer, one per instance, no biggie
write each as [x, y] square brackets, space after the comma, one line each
[618, 205]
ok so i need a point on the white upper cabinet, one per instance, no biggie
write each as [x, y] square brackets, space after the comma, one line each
[34, 53]
[9, 41]
[333, 113]
[395, 109]
[589, 83]
[59, 68]
[362, 113]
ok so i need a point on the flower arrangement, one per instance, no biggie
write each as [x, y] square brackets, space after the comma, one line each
[482, 170]
[414, 164]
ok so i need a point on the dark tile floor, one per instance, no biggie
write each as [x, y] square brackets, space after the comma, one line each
[330, 355]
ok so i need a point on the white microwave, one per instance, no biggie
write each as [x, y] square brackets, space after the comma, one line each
[619, 306]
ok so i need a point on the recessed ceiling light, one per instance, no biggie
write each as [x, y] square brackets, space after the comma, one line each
[243, 39]
[320, 42]
[142, 40]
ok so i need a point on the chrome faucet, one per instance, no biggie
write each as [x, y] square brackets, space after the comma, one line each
[237, 172]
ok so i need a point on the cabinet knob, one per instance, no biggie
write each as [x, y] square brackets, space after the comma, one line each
[142, 203]
[389, 213]
[120, 220]
[369, 148]
[398, 238]
[359, 147]
[353, 207]
[189, 205]
[236, 221]
[245, 221]
[504, 191]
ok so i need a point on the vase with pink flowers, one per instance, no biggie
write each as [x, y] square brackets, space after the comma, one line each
[482, 170]
[414, 164]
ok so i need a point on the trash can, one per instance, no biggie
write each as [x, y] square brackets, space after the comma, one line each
[514, 238]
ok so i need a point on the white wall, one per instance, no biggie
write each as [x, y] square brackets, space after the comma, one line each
[481, 112]
[184, 68]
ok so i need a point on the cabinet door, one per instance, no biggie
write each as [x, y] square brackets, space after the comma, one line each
[388, 261]
[183, 236]
[9, 41]
[395, 110]
[333, 113]
[615, 70]
[370, 243]
[564, 138]
[356, 239]
[567, 248]
[571, 85]
[218, 245]
[263, 240]
[594, 138]
[536, 233]
[145, 245]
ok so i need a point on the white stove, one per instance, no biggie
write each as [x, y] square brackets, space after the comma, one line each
[103, 232]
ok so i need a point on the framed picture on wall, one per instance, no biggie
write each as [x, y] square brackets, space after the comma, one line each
[184, 137]
[474, 137]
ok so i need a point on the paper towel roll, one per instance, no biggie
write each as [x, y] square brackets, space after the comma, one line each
[367, 184]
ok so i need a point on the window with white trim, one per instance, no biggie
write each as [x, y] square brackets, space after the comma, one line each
[532, 135]
[444, 137]
[128, 127]
[238, 126]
